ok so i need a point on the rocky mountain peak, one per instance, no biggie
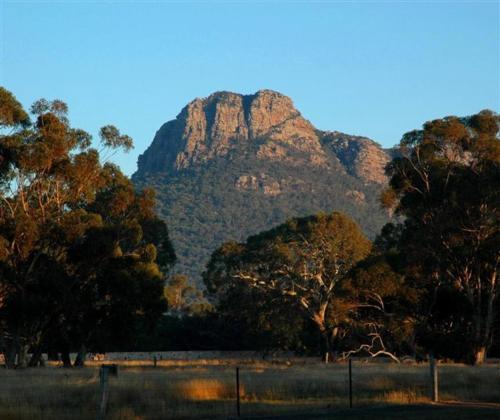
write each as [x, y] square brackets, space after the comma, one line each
[268, 109]
[233, 165]
[265, 126]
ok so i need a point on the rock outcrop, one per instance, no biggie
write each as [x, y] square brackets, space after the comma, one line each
[362, 157]
[265, 125]
[232, 165]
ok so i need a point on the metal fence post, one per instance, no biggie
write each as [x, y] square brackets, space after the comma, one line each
[350, 382]
[434, 379]
[238, 391]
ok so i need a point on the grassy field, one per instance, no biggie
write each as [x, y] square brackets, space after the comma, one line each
[204, 389]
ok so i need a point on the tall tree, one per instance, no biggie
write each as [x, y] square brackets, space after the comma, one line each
[77, 243]
[445, 182]
[303, 261]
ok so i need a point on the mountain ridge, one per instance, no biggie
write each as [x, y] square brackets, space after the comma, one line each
[228, 156]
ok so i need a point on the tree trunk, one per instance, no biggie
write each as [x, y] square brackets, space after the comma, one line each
[22, 356]
[327, 356]
[81, 357]
[10, 355]
[483, 331]
[479, 355]
[329, 337]
[327, 334]
[66, 359]
[36, 358]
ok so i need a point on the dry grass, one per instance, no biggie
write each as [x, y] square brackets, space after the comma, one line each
[407, 396]
[192, 362]
[204, 390]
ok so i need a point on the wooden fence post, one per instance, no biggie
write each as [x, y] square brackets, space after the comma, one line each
[238, 391]
[104, 372]
[103, 388]
[434, 379]
[350, 382]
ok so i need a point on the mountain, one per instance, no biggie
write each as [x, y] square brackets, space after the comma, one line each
[232, 165]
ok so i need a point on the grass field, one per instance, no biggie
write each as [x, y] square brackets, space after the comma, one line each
[203, 389]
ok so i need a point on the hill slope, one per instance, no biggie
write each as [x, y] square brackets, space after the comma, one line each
[233, 165]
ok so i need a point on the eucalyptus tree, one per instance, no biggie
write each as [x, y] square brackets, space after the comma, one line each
[445, 181]
[78, 244]
[299, 264]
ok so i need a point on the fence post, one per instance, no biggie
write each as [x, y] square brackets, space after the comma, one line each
[434, 379]
[350, 382]
[238, 391]
[103, 387]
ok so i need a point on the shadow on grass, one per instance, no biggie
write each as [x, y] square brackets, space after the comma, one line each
[448, 410]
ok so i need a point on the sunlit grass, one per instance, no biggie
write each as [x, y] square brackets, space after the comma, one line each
[191, 390]
[205, 389]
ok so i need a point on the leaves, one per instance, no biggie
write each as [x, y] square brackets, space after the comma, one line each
[301, 262]
[72, 232]
[111, 137]
[446, 186]
[204, 208]
[12, 113]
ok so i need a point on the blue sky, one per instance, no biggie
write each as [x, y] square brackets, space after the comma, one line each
[377, 69]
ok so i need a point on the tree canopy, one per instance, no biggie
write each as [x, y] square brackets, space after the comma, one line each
[80, 249]
[301, 262]
[84, 256]
[445, 184]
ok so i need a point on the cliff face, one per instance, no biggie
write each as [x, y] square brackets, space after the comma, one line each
[232, 165]
[360, 156]
[266, 126]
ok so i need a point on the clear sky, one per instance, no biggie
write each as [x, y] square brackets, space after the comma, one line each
[377, 69]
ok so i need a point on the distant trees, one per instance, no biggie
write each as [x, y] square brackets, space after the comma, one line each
[80, 249]
[209, 210]
[445, 182]
[184, 298]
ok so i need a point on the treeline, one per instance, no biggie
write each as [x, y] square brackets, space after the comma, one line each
[427, 284]
[85, 260]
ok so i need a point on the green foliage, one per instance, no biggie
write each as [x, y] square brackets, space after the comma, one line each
[446, 184]
[184, 298]
[12, 113]
[383, 320]
[80, 249]
[111, 137]
[204, 208]
[294, 269]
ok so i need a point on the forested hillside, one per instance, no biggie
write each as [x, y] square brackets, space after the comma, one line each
[231, 165]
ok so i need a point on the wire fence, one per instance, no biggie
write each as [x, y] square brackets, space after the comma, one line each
[161, 390]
